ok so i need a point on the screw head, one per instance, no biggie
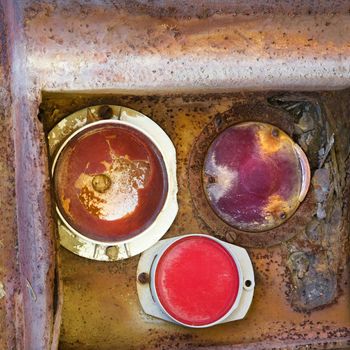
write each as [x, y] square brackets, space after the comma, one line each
[275, 132]
[143, 277]
[101, 183]
[283, 215]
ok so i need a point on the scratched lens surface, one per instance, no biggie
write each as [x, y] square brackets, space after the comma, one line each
[110, 182]
[252, 176]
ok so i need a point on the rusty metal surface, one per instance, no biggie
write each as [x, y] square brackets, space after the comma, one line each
[314, 259]
[207, 45]
[101, 307]
[11, 325]
[115, 45]
[27, 239]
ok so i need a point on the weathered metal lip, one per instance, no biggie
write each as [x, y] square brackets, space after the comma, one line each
[165, 217]
[154, 289]
[305, 171]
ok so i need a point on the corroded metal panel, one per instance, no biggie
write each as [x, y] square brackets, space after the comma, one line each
[11, 323]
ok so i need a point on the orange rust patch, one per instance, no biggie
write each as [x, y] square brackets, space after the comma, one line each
[66, 204]
[271, 139]
[276, 206]
[90, 201]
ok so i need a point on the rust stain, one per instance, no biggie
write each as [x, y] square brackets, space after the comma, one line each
[277, 207]
[66, 204]
[271, 139]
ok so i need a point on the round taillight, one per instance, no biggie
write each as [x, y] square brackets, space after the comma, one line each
[197, 281]
[255, 176]
[110, 182]
[115, 182]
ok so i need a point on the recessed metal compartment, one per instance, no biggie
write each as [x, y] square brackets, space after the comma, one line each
[301, 294]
